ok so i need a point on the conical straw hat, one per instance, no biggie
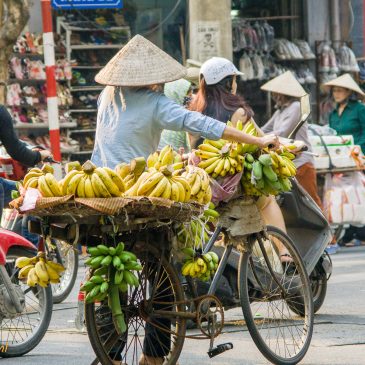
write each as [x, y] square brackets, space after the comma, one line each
[285, 84]
[347, 82]
[140, 63]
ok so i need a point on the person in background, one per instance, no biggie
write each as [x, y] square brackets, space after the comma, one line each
[180, 92]
[286, 91]
[348, 117]
[17, 150]
[217, 98]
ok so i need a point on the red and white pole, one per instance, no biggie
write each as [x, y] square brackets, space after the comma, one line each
[50, 63]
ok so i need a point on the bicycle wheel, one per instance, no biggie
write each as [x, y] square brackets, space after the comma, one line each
[161, 336]
[70, 260]
[21, 333]
[281, 336]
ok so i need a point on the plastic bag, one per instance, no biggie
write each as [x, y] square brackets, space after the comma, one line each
[344, 195]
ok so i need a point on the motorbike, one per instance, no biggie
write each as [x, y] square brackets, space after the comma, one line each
[25, 312]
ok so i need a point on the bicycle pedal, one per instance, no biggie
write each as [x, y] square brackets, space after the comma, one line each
[220, 349]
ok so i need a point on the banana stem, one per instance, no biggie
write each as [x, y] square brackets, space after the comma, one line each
[115, 306]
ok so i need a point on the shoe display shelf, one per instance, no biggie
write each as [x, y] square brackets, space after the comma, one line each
[88, 48]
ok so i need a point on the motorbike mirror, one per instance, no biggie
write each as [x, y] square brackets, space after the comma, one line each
[305, 107]
[305, 111]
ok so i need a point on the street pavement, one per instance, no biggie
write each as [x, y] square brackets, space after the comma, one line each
[338, 338]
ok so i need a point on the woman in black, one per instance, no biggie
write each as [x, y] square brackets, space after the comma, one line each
[18, 151]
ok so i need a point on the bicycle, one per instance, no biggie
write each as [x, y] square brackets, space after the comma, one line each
[270, 294]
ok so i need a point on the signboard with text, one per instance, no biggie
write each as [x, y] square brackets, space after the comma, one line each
[86, 4]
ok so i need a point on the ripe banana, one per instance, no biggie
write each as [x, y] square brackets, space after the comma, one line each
[44, 188]
[107, 181]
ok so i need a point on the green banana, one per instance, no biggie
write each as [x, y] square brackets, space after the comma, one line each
[112, 251]
[116, 261]
[101, 271]
[118, 277]
[96, 261]
[94, 251]
[249, 158]
[119, 249]
[265, 159]
[96, 279]
[269, 173]
[257, 170]
[123, 287]
[103, 249]
[87, 286]
[104, 287]
[106, 261]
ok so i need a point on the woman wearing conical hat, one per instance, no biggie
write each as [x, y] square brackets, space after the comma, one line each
[132, 112]
[286, 92]
[348, 117]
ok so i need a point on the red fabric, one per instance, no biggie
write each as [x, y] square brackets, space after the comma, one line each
[307, 177]
[46, 16]
[54, 136]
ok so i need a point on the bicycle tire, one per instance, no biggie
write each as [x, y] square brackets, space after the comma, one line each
[15, 350]
[248, 298]
[62, 290]
[146, 253]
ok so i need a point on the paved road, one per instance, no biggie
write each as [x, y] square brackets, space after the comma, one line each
[339, 333]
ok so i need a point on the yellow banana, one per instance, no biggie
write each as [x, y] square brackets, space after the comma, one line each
[25, 261]
[107, 181]
[232, 171]
[197, 185]
[185, 185]
[219, 167]
[118, 181]
[160, 187]
[41, 271]
[204, 179]
[56, 266]
[186, 268]
[211, 167]
[233, 162]
[31, 183]
[89, 191]
[181, 190]
[52, 273]
[80, 191]
[174, 191]
[149, 183]
[218, 144]
[227, 165]
[132, 191]
[71, 186]
[168, 157]
[167, 193]
[53, 184]
[30, 175]
[204, 164]
[99, 188]
[162, 155]
[23, 273]
[67, 179]
[44, 188]
[206, 155]
[123, 170]
[208, 147]
[32, 278]
[152, 159]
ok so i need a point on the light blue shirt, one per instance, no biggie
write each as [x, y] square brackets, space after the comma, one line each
[123, 135]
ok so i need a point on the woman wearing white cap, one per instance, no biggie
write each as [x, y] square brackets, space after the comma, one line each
[286, 91]
[131, 116]
[217, 98]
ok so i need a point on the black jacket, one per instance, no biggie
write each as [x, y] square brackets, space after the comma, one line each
[15, 148]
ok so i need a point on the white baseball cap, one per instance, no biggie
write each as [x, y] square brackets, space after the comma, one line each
[216, 69]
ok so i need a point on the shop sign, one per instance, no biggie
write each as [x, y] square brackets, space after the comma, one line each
[206, 40]
[86, 4]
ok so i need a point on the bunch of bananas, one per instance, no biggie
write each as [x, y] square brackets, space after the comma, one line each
[166, 157]
[269, 173]
[199, 182]
[89, 181]
[43, 180]
[131, 172]
[123, 262]
[38, 270]
[112, 274]
[196, 232]
[201, 266]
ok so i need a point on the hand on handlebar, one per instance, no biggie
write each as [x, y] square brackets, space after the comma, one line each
[269, 140]
[300, 147]
[45, 154]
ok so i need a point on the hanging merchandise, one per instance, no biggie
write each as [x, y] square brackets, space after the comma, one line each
[347, 60]
[304, 49]
[286, 50]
